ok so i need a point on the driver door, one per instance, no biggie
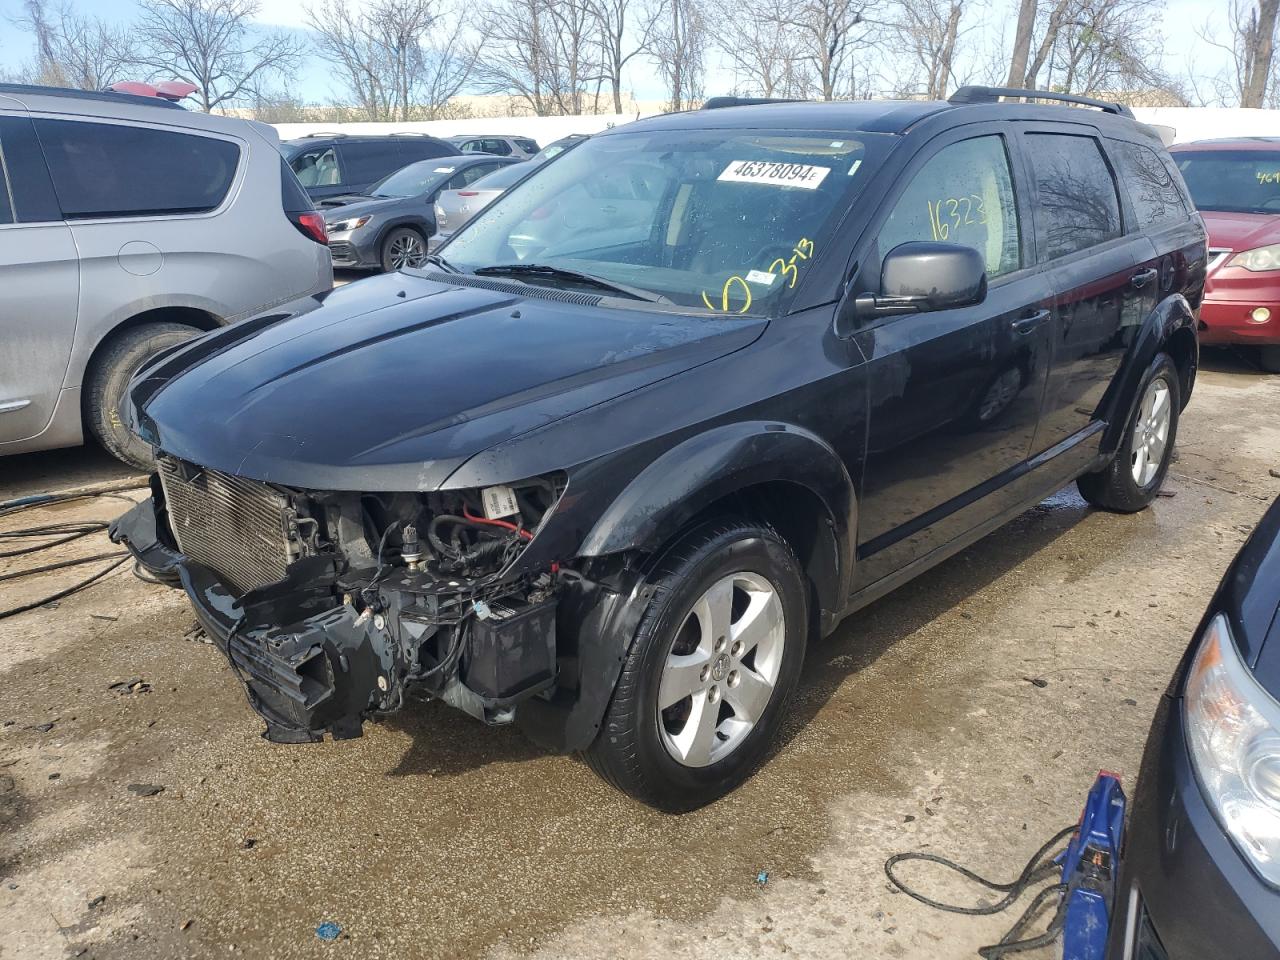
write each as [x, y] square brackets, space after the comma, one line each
[954, 394]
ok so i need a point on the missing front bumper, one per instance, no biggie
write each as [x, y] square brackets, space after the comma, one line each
[313, 662]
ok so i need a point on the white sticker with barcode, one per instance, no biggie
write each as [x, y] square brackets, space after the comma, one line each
[759, 276]
[802, 175]
[499, 502]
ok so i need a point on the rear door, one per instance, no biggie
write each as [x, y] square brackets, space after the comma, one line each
[955, 394]
[1096, 272]
[39, 285]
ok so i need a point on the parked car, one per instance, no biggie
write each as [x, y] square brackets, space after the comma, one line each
[1236, 186]
[332, 164]
[1200, 874]
[455, 207]
[128, 225]
[388, 228]
[522, 148]
[611, 494]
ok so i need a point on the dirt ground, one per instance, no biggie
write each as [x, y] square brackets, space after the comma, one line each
[917, 726]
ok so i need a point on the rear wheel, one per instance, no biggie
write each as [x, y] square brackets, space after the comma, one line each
[1269, 358]
[106, 387]
[403, 247]
[1132, 480]
[715, 659]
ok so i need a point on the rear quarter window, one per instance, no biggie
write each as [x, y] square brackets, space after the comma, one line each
[1152, 189]
[117, 170]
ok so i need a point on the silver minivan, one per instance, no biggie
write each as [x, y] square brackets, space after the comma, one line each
[128, 225]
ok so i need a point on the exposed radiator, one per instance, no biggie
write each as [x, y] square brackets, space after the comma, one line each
[235, 527]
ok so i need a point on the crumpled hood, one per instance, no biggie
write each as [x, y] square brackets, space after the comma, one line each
[397, 380]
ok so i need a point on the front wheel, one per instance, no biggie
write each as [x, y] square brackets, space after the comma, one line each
[403, 247]
[715, 659]
[1132, 480]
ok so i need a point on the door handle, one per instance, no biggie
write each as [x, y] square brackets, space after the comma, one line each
[1029, 323]
[1140, 280]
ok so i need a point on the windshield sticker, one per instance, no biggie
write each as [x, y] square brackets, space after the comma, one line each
[443, 170]
[802, 175]
[788, 269]
[1264, 177]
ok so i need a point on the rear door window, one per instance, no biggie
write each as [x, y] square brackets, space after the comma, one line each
[1152, 190]
[365, 162]
[963, 194]
[499, 148]
[317, 167]
[1076, 204]
[117, 170]
[6, 193]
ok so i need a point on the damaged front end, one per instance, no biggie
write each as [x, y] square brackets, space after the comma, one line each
[333, 607]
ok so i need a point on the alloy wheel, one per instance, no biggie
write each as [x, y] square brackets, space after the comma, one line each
[1151, 432]
[721, 672]
[407, 250]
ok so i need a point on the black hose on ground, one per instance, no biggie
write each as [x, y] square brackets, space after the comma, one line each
[1039, 868]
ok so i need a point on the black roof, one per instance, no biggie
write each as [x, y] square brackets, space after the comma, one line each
[109, 96]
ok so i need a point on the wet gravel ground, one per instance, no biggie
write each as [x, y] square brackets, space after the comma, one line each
[917, 726]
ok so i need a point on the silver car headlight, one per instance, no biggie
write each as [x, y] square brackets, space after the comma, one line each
[342, 226]
[1233, 726]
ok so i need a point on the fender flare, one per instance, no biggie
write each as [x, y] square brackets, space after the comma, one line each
[1171, 320]
[729, 459]
[421, 224]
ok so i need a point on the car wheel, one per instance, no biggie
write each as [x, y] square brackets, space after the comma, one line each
[1133, 478]
[107, 384]
[403, 247]
[706, 682]
[1269, 359]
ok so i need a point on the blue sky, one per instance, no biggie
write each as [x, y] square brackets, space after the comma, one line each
[1179, 22]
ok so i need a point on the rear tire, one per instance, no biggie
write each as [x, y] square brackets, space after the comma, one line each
[1133, 478]
[721, 640]
[108, 381]
[1269, 359]
[403, 247]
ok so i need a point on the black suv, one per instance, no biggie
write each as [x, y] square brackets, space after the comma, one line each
[751, 368]
[333, 164]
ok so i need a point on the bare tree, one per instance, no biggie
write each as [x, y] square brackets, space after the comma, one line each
[830, 34]
[209, 43]
[680, 42]
[624, 30]
[397, 59]
[74, 50]
[930, 31]
[1255, 31]
[767, 61]
[1027, 10]
[544, 52]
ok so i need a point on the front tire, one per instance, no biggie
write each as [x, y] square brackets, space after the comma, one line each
[403, 247]
[107, 384]
[715, 659]
[1132, 480]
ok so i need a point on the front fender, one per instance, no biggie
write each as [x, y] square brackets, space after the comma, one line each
[725, 460]
[1170, 328]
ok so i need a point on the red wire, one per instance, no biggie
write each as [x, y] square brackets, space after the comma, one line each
[466, 512]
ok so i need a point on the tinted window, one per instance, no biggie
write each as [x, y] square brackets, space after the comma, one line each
[317, 167]
[499, 148]
[1234, 181]
[963, 194]
[423, 148]
[503, 177]
[527, 145]
[6, 205]
[1077, 205]
[292, 197]
[31, 193]
[369, 161]
[1154, 194]
[478, 170]
[472, 146]
[113, 170]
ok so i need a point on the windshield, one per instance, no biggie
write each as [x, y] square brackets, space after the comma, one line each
[723, 221]
[414, 180]
[502, 178]
[1234, 181]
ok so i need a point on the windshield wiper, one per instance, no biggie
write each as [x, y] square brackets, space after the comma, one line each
[439, 261]
[573, 276]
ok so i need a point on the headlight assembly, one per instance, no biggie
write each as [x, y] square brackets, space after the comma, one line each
[1233, 726]
[342, 226]
[1259, 260]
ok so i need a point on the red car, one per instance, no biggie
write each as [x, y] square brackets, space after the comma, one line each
[1236, 186]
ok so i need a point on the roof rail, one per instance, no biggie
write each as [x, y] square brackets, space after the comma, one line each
[715, 103]
[993, 95]
[323, 133]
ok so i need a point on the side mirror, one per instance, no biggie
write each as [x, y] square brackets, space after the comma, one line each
[923, 275]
